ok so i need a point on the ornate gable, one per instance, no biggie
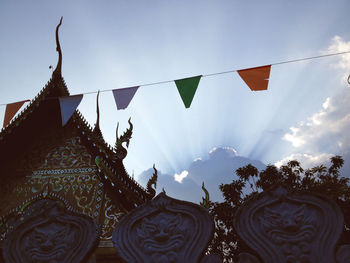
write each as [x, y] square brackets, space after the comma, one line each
[39, 157]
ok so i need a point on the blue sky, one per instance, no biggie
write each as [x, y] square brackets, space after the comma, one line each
[116, 44]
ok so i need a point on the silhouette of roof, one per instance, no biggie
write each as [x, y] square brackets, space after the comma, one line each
[43, 114]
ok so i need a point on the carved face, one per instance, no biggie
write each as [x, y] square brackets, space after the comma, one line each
[165, 232]
[286, 222]
[48, 243]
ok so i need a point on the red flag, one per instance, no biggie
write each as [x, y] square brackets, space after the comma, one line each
[256, 78]
[11, 110]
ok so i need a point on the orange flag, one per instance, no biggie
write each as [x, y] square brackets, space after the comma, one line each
[256, 78]
[11, 110]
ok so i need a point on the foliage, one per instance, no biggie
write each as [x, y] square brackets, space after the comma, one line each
[319, 179]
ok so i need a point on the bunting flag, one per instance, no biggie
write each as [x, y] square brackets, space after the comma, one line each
[256, 78]
[11, 110]
[187, 88]
[123, 96]
[68, 105]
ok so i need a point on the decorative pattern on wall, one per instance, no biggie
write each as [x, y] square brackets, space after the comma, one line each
[83, 191]
[111, 216]
[60, 154]
[64, 167]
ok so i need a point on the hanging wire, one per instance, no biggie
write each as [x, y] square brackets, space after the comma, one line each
[225, 72]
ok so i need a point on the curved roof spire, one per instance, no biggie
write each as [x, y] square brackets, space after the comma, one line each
[97, 129]
[57, 71]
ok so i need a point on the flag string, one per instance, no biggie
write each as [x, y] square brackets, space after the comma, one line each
[283, 62]
[222, 72]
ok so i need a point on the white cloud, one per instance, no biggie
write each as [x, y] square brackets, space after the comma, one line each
[338, 45]
[306, 160]
[293, 137]
[326, 132]
[212, 150]
[229, 151]
[181, 176]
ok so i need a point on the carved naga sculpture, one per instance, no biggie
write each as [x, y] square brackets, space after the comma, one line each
[120, 151]
[284, 227]
[153, 181]
[205, 200]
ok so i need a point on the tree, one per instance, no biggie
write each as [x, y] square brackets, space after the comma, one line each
[319, 179]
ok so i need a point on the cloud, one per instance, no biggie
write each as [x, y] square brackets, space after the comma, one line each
[181, 176]
[306, 160]
[338, 45]
[217, 168]
[326, 132]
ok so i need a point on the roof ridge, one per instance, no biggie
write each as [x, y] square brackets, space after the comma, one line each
[34, 103]
[106, 147]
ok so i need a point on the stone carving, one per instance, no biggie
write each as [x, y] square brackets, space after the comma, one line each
[343, 254]
[164, 230]
[211, 258]
[48, 233]
[289, 227]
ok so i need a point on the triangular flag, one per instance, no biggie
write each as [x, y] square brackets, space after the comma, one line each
[123, 96]
[11, 110]
[187, 88]
[68, 105]
[256, 78]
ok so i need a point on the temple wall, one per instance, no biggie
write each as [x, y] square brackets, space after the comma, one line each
[61, 167]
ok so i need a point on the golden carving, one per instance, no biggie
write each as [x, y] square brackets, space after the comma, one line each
[63, 166]
[60, 154]
[111, 214]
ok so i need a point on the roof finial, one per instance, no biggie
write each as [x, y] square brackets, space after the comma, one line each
[120, 151]
[97, 129]
[58, 49]
[152, 181]
[206, 200]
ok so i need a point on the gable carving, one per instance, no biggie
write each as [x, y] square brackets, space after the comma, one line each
[164, 230]
[50, 233]
[290, 227]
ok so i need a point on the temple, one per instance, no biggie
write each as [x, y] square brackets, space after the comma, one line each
[40, 158]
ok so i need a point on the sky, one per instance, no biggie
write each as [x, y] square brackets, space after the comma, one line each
[304, 114]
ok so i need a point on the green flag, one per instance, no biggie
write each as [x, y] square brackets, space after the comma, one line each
[187, 88]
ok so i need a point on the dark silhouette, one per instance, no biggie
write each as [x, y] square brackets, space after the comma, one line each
[319, 179]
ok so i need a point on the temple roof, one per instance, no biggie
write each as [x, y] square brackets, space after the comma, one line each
[43, 114]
